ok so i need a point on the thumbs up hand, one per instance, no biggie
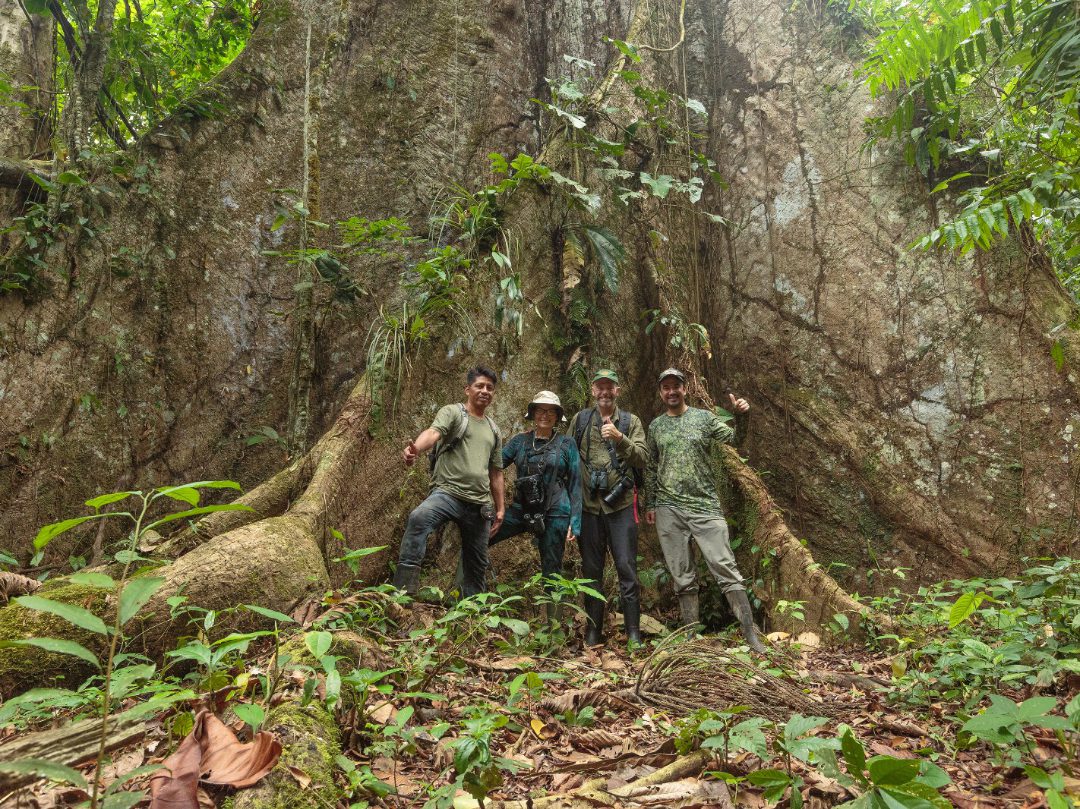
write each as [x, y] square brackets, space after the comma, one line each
[610, 432]
[739, 405]
[410, 453]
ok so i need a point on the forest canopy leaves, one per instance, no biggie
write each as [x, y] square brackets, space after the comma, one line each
[985, 104]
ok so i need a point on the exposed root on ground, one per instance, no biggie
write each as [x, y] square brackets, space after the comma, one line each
[797, 574]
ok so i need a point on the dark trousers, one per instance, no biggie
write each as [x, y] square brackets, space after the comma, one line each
[551, 544]
[616, 533]
[438, 509]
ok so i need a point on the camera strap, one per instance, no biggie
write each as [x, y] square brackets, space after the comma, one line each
[584, 432]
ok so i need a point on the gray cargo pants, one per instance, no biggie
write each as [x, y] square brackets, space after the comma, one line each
[676, 528]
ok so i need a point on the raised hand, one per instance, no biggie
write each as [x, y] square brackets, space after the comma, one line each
[610, 432]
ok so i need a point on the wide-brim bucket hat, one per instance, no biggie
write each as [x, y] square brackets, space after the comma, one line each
[545, 397]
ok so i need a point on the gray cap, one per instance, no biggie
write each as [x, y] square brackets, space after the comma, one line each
[545, 397]
[675, 372]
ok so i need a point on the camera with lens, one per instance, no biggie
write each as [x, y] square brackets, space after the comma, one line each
[598, 480]
[617, 491]
[532, 495]
[535, 522]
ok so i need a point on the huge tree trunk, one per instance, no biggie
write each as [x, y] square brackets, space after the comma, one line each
[908, 410]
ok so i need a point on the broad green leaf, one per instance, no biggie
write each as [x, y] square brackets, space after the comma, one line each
[200, 484]
[515, 625]
[769, 778]
[963, 607]
[895, 799]
[49, 532]
[932, 775]
[45, 769]
[123, 799]
[318, 643]
[34, 695]
[79, 616]
[800, 725]
[70, 178]
[185, 494]
[273, 615]
[887, 771]
[1034, 708]
[254, 715]
[135, 594]
[89, 578]
[360, 553]
[854, 754]
[195, 512]
[196, 650]
[658, 186]
[107, 499]
[67, 647]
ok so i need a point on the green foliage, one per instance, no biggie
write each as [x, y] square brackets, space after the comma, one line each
[160, 57]
[964, 639]
[986, 102]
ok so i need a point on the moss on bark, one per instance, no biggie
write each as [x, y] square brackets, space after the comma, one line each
[310, 740]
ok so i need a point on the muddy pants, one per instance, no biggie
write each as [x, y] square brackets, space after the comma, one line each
[676, 528]
[438, 509]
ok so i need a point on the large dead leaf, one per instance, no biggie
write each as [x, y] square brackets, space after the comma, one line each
[14, 584]
[211, 753]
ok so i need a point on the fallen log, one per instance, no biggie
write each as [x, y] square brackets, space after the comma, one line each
[70, 745]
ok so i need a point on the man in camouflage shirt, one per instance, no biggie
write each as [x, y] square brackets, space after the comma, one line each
[681, 500]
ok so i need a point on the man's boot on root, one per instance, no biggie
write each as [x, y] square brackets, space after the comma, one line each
[631, 612]
[740, 606]
[594, 612]
[407, 578]
[689, 612]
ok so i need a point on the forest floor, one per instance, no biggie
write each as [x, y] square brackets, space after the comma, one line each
[432, 703]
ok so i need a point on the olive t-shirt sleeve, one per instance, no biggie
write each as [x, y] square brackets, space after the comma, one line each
[446, 419]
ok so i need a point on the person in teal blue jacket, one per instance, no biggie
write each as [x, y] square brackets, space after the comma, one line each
[547, 492]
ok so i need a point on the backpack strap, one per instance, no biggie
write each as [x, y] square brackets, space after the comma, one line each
[450, 441]
[581, 424]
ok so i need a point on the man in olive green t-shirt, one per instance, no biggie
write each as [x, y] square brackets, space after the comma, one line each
[466, 485]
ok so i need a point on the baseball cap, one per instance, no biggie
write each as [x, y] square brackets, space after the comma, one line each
[675, 372]
[606, 373]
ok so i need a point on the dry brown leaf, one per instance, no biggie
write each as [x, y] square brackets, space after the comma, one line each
[211, 753]
[544, 731]
[596, 739]
[776, 637]
[15, 584]
[383, 713]
[512, 663]
[302, 778]
[809, 639]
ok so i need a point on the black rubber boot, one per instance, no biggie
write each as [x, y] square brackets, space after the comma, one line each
[631, 613]
[407, 578]
[594, 611]
[740, 605]
[688, 609]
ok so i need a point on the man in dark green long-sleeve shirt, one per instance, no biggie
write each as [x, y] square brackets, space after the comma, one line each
[682, 502]
[612, 445]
